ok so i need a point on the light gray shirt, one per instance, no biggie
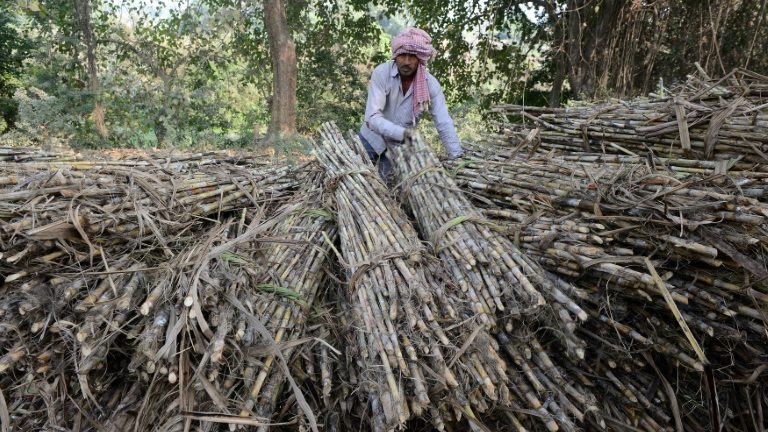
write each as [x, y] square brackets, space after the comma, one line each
[389, 112]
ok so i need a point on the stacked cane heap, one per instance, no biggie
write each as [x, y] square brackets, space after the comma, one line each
[420, 351]
[669, 255]
[151, 297]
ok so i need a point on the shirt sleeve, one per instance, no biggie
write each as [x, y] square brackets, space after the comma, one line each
[443, 122]
[374, 108]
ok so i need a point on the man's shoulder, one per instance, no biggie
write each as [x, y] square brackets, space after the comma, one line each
[383, 69]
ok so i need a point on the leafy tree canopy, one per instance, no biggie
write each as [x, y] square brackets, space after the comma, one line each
[198, 72]
[14, 49]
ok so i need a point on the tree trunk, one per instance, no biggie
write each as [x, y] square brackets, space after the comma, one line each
[284, 71]
[83, 8]
[556, 94]
[560, 57]
[578, 64]
[660, 20]
[589, 26]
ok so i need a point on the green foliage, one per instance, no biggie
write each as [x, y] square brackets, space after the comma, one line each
[468, 119]
[337, 48]
[62, 115]
[42, 115]
[50, 92]
[198, 74]
[292, 149]
[14, 48]
[739, 37]
[181, 70]
[482, 48]
[165, 80]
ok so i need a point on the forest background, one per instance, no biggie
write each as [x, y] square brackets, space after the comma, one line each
[236, 73]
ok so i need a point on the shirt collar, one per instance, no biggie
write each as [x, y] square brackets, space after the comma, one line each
[393, 72]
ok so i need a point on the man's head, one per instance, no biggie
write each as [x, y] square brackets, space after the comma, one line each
[407, 64]
[410, 48]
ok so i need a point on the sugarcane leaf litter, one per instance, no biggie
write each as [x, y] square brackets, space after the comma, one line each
[595, 267]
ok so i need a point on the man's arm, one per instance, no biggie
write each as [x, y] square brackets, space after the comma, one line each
[374, 108]
[443, 122]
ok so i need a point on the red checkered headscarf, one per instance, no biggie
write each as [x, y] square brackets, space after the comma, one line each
[416, 42]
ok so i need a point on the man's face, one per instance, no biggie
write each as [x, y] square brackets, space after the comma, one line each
[407, 64]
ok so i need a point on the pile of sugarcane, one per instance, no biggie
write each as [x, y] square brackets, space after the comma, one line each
[542, 371]
[489, 268]
[110, 208]
[245, 303]
[541, 291]
[725, 119]
[32, 160]
[17, 154]
[152, 299]
[420, 351]
[669, 256]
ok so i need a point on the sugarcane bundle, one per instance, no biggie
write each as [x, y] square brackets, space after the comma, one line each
[72, 339]
[574, 406]
[640, 207]
[562, 183]
[255, 301]
[625, 319]
[596, 223]
[352, 404]
[420, 351]
[490, 151]
[325, 366]
[63, 216]
[703, 119]
[489, 268]
[15, 154]
[293, 275]
[609, 391]
[140, 159]
[600, 256]
[533, 384]
[44, 365]
[82, 289]
[212, 329]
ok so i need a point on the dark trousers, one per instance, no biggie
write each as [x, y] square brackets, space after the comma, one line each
[379, 160]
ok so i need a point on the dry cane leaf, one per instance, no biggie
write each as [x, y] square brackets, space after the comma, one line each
[5, 417]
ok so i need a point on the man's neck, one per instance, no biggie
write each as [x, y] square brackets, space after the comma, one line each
[406, 81]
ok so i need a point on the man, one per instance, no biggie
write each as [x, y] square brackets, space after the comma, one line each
[399, 92]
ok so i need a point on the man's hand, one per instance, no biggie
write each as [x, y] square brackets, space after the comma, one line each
[407, 135]
[456, 155]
